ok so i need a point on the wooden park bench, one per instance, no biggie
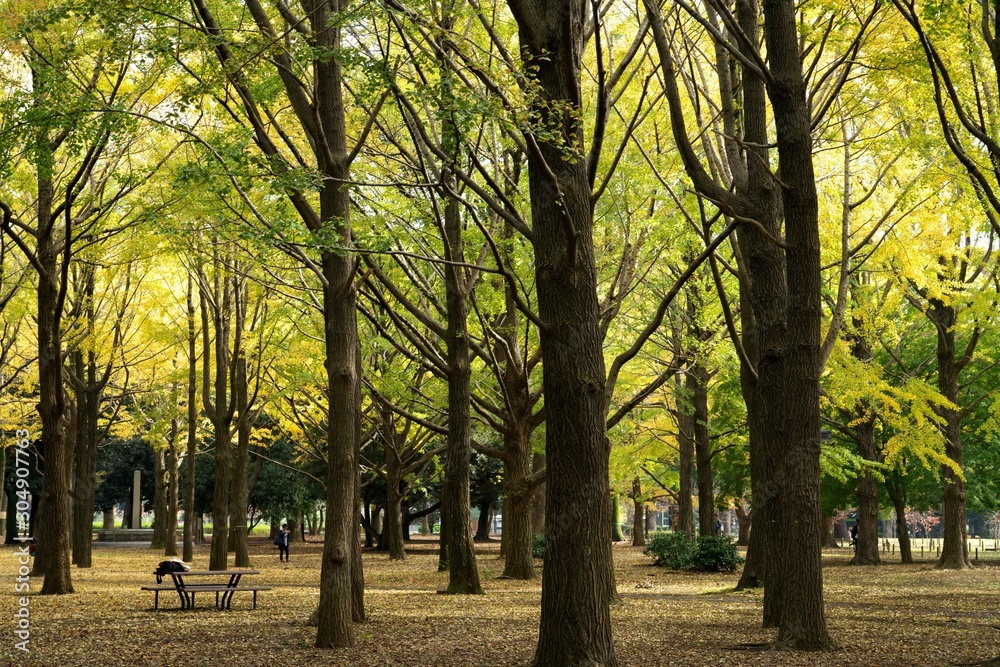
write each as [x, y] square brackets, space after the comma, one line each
[186, 590]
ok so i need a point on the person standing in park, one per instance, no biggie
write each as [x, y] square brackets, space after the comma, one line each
[281, 540]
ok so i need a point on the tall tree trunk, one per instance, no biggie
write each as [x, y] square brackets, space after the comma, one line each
[538, 502]
[172, 489]
[743, 523]
[338, 603]
[698, 377]
[517, 518]
[159, 499]
[897, 494]
[867, 553]
[578, 577]
[954, 543]
[392, 531]
[463, 572]
[685, 466]
[638, 525]
[219, 407]
[52, 558]
[485, 521]
[803, 623]
[192, 416]
[240, 497]
[826, 530]
[85, 454]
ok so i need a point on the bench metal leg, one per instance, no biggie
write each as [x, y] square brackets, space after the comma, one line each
[255, 599]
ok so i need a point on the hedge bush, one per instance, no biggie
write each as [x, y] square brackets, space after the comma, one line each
[538, 546]
[679, 551]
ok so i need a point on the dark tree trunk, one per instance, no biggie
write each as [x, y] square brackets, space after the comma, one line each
[685, 468]
[518, 510]
[338, 594]
[52, 557]
[485, 521]
[85, 453]
[216, 396]
[240, 495]
[826, 530]
[172, 490]
[463, 572]
[192, 416]
[743, 523]
[159, 500]
[698, 378]
[867, 553]
[638, 525]
[392, 530]
[954, 546]
[108, 519]
[578, 576]
[538, 499]
[803, 621]
[897, 494]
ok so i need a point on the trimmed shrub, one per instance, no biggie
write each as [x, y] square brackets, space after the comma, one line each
[673, 550]
[716, 554]
[538, 546]
[678, 551]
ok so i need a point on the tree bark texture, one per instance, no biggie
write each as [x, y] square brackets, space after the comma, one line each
[897, 494]
[697, 382]
[53, 555]
[638, 523]
[239, 499]
[463, 572]
[685, 467]
[159, 499]
[192, 423]
[867, 553]
[337, 580]
[954, 543]
[803, 623]
[578, 576]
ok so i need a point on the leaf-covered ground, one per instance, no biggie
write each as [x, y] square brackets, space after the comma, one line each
[881, 616]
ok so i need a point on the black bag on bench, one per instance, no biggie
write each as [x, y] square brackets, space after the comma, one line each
[168, 566]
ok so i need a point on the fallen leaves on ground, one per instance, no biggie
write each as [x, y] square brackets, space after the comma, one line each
[885, 616]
